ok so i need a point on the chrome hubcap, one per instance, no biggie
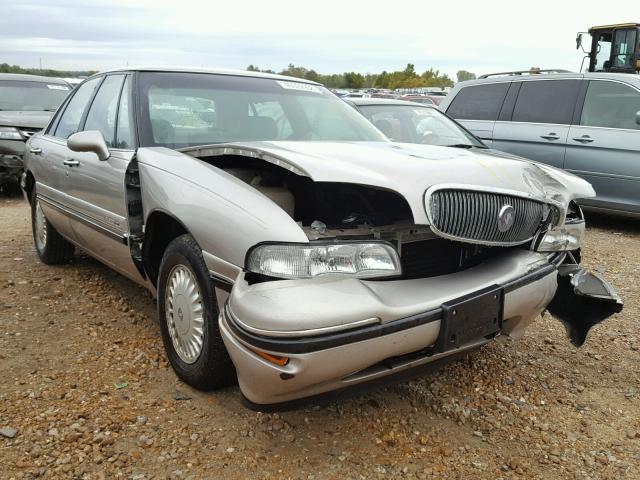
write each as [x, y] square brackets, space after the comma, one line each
[184, 314]
[40, 224]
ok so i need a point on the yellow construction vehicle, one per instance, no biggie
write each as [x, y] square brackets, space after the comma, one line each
[614, 48]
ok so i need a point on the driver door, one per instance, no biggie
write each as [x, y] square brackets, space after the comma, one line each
[96, 188]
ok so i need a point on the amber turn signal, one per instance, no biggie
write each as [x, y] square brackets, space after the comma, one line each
[275, 359]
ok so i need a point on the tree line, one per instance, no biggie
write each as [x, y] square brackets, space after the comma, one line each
[407, 78]
[6, 68]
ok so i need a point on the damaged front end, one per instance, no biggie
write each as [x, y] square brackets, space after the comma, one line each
[456, 229]
[583, 299]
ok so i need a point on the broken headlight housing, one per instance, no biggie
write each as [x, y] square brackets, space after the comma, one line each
[364, 259]
[564, 237]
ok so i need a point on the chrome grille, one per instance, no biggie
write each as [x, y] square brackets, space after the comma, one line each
[472, 216]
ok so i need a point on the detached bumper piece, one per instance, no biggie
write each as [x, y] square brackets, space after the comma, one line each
[583, 299]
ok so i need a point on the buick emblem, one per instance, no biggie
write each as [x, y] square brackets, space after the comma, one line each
[506, 217]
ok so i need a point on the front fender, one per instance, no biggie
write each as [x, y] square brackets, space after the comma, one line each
[225, 215]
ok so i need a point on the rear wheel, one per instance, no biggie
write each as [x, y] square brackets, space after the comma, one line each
[52, 248]
[188, 314]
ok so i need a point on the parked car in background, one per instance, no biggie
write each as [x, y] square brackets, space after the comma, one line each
[418, 99]
[586, 123]
[384, 95]
[340, 92]
[409, 122]
[353, 95]
[436, 98]
[290, 243]
[26, 105]
[423, 98]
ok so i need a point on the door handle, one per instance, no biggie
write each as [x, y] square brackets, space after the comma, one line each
[70, 162]
[551, 136]
[584, 139]
[35, 150]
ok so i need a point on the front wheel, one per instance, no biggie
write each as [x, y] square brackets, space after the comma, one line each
[188, 314]
[52, 248]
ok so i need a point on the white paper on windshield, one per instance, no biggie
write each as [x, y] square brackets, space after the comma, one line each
[57, 87]
[303, 87]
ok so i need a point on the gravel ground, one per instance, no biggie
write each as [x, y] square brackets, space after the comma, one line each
[86, 392]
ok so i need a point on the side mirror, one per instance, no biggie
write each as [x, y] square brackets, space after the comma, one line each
[638, 117]
[89, 141]
[578, 41]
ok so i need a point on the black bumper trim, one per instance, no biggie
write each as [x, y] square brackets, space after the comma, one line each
[308, 344]
[84, 220]
[336, 339]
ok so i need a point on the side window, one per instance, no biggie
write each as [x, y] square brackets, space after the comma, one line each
[70, 119]
[603, 52]
[546, 101]
[610, 104]
[102, 114]
[623, 48]
[274, 111]
[478, 102]
[124, 134]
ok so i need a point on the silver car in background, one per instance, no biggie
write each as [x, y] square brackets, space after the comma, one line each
[293, 246]
[586, 123]
[27, 103]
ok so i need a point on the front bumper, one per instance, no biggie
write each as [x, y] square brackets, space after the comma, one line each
[11, 166]
[338, 333]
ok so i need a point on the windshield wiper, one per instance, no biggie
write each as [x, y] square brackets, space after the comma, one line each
[466, 145]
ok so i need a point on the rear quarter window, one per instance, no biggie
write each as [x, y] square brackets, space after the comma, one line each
[610, 105]
[478, 102]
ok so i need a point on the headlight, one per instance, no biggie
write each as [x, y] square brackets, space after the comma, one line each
[361, 259]
[10, 133]
[563, 237]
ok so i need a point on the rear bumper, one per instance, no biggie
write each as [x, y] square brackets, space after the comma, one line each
[324, 358]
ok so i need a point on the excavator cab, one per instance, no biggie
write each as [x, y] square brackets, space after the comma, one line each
[614, 48]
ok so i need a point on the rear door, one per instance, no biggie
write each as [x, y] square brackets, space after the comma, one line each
[538, 126]
[477, 108]
[604, 148]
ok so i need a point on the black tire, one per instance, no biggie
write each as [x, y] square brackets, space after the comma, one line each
[55, 249]
[213, 367]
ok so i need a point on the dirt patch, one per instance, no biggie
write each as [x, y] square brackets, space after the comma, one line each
[86, 387]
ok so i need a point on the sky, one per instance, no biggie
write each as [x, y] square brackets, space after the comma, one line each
[328, 36]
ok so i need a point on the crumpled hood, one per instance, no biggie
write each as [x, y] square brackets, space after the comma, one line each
[411, 169]
[32, 119]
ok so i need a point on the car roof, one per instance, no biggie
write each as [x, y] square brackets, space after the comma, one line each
[385, 101]
[32, 78]
[621, 77]
[214, 71]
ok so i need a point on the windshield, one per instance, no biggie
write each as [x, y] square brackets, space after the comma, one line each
[31, 96]
[416, 124]
[186, 109]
